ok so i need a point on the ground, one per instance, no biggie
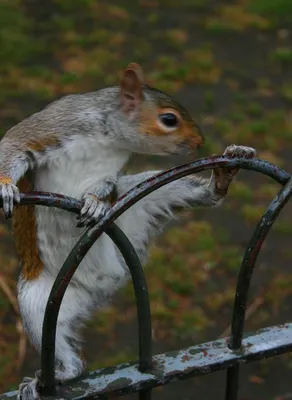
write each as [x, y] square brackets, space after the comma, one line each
[230, 64]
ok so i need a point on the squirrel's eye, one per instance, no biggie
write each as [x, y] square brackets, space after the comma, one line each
[169, 120]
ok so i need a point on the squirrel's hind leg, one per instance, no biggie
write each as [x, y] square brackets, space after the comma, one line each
[32, 297]
[28, 389]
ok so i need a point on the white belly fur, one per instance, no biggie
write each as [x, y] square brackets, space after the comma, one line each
[101, 271]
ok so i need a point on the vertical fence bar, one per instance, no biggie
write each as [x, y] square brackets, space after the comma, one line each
[232, 383]
[143, 310]
[145, 394]
[244, 279]
[91, 235]
[141, 293]
[142, 301]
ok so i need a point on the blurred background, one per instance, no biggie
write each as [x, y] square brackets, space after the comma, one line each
[230, 64]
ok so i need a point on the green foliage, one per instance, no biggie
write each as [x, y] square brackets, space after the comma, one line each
[212, 58]
[282, 54]
[254, 109]
[286, 92]
[275, 9]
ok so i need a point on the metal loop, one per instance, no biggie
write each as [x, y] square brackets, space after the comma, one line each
[106, 225]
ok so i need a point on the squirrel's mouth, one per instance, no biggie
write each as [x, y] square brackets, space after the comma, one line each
[201, 142]
[192, 144]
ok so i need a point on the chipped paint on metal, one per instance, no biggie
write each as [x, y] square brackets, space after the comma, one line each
[196, 360]
[193, 361]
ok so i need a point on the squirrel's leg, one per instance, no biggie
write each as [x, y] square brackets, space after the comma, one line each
[97, 202]
[75, 307]
[222, 177]
[29, 388]
[145, 219]
[9, 193]
[213, 193]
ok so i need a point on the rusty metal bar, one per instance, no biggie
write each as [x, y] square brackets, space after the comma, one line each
[244, 279]
[232, 382]
[169, 367]
[139, 283]
[141, 293]
[143, 311]
[142, 301]
[92, 234]
[126, 201]
[155, 182]
[249, 260]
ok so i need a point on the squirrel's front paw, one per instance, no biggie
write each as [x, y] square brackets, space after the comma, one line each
[93, 209]
[28, 389]
[234, 151]
[224, 176]
[9, 193]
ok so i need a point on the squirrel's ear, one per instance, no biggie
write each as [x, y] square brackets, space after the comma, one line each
[131, 92]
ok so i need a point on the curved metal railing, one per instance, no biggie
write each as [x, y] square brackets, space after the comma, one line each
[106, 224]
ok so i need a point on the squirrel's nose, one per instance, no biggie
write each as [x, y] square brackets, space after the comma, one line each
[200, 134]
[193, 143]
[201, 142]
[199, 139]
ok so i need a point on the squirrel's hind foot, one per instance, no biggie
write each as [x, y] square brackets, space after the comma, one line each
[28, 389]
[92, 211]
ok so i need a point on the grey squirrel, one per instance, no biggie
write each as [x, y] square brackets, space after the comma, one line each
[77, 146]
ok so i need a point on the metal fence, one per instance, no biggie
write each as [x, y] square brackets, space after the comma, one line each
[152, 371]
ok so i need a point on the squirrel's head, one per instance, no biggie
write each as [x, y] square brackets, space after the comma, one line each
[150, 121]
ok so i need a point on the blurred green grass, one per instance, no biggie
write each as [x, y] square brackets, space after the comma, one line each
[230, 64]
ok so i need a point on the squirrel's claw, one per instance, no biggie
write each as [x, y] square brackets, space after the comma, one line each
[92, 211]
[224, 176]
[9, 194]
[28, 389]
[234, 151]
